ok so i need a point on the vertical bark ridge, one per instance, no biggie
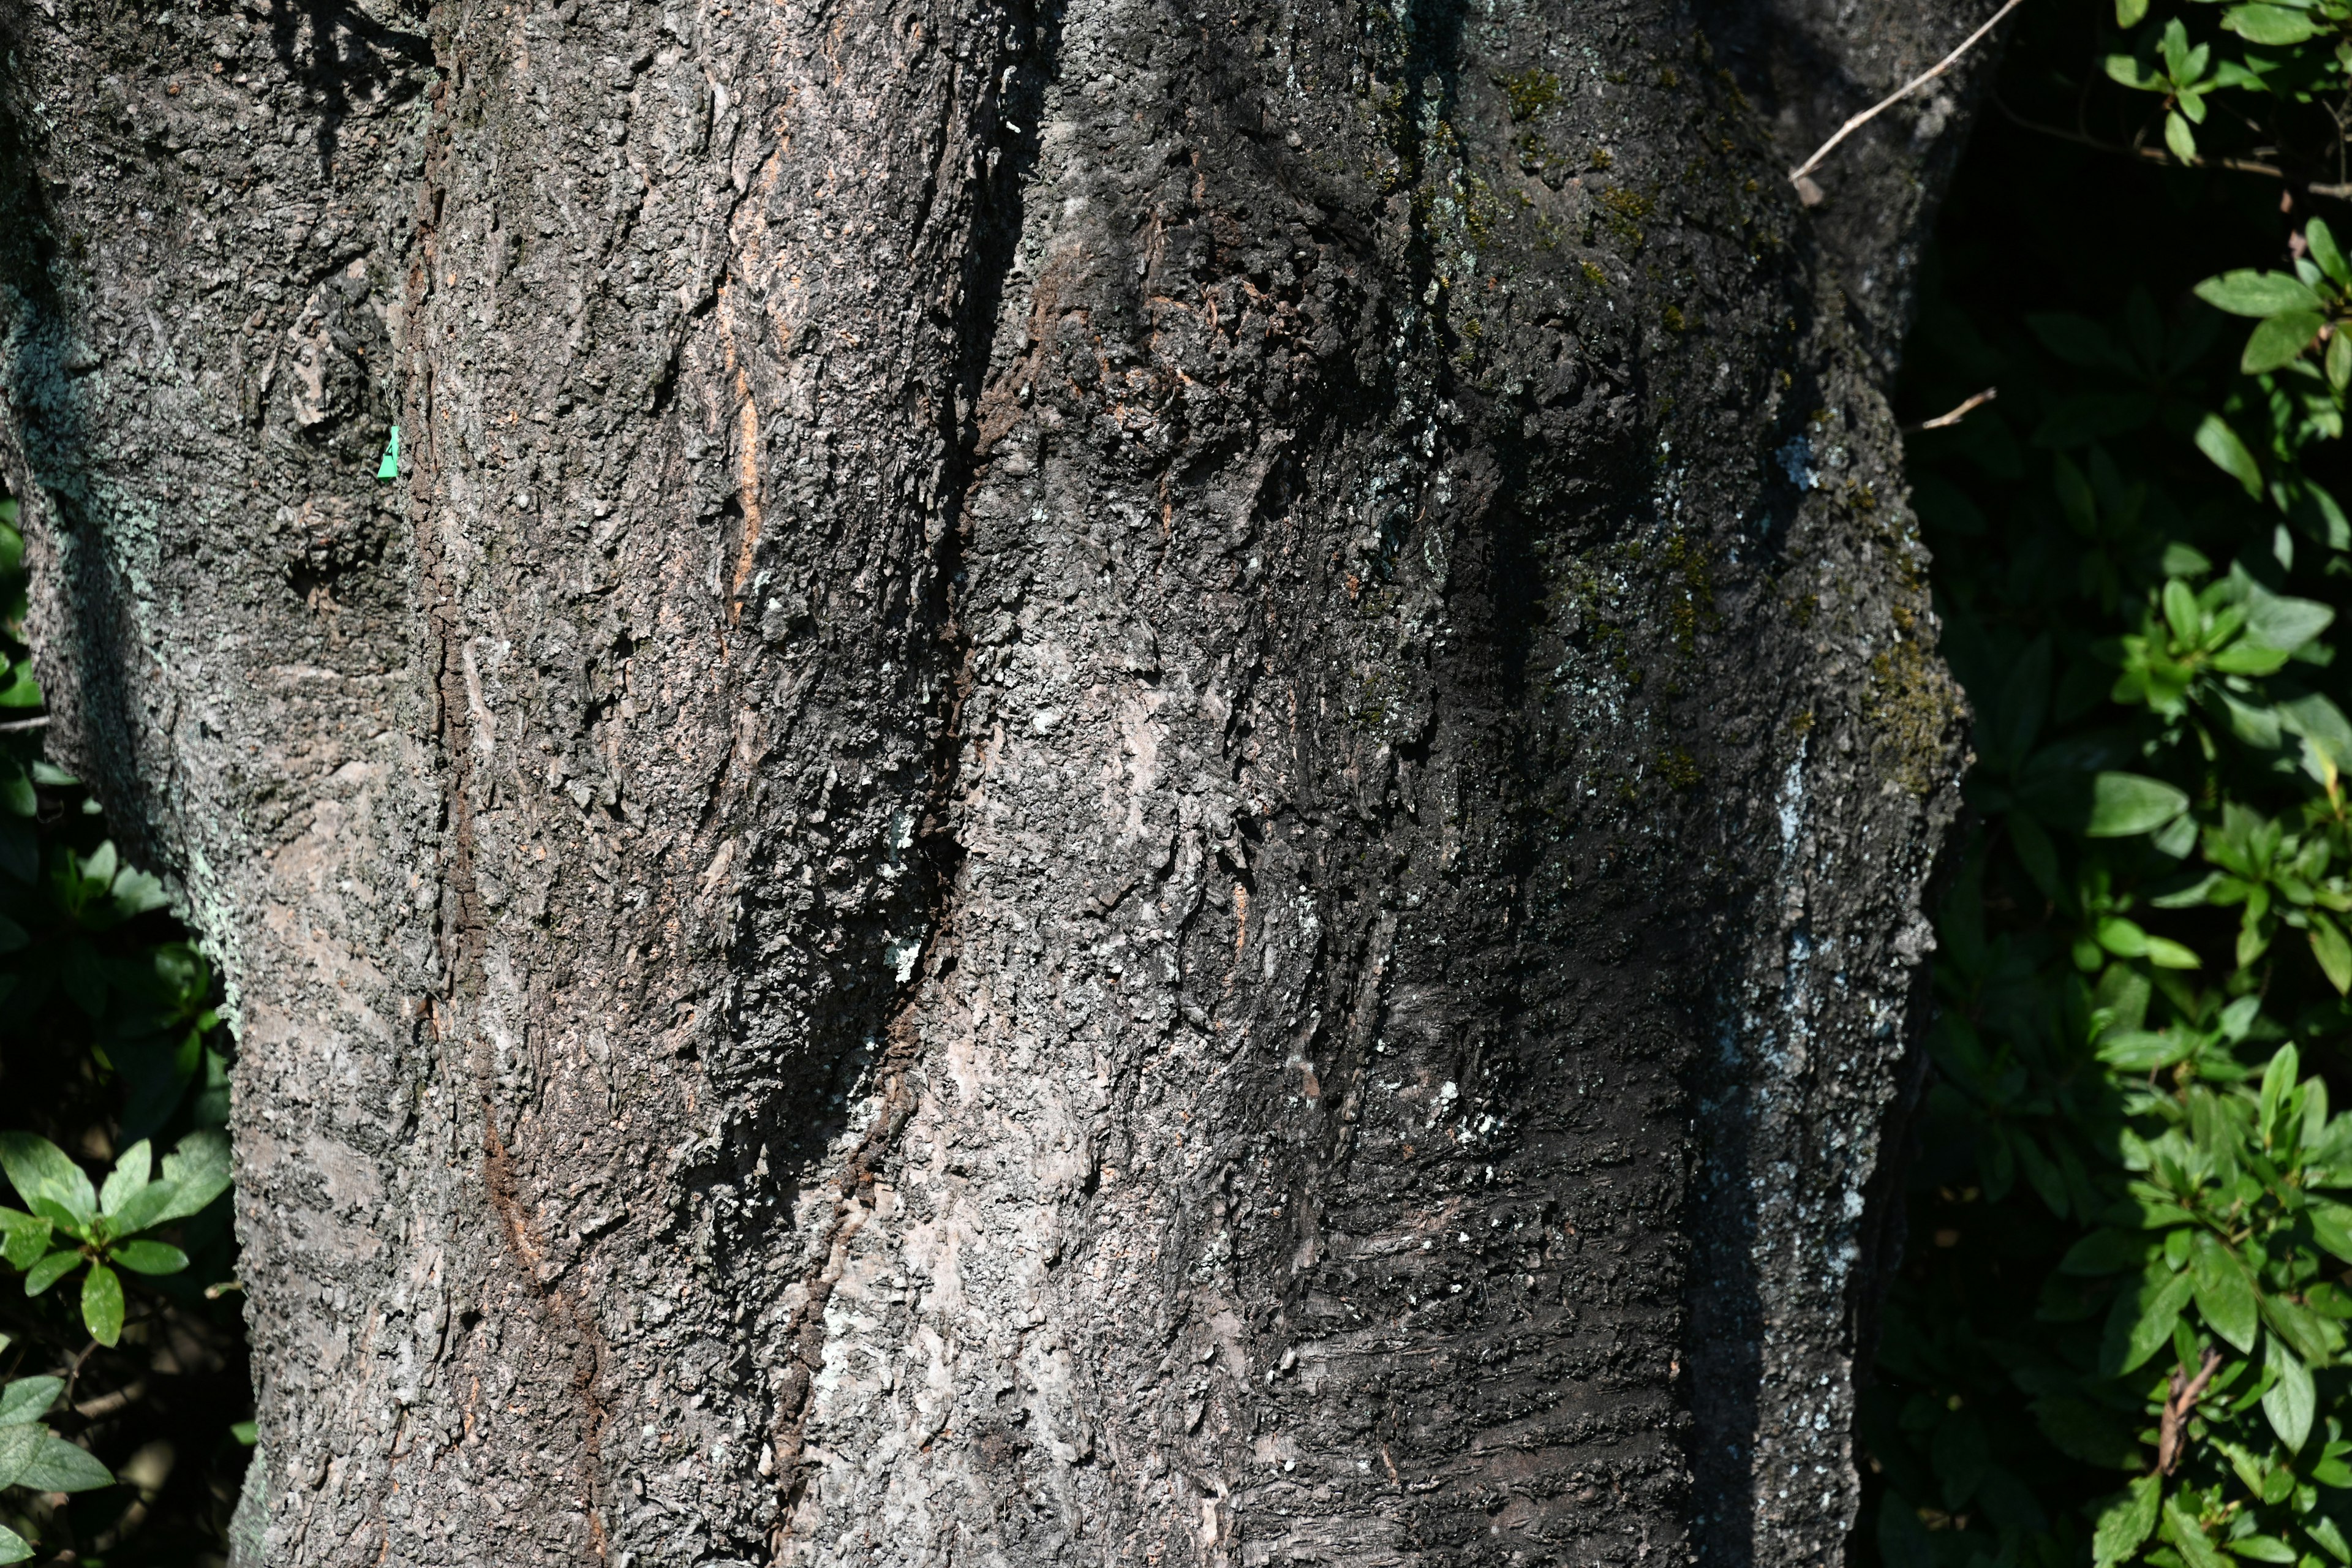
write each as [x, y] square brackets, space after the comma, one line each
[1063, 776]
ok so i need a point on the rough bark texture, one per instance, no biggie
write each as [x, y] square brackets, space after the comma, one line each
[1113, 783]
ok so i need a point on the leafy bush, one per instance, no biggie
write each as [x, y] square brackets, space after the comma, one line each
[2119, 1335]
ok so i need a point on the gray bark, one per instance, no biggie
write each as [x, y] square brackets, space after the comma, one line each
[1113, 783]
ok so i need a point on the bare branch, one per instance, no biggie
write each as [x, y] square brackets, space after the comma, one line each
[1945, 421]
[1798, 174]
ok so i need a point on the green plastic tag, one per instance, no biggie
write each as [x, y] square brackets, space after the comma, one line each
[390, 468]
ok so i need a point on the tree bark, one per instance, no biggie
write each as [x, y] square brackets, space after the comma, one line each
[1112, 783]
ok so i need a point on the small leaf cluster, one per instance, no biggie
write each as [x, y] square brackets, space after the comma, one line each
[72, 1225]
[32, 1457]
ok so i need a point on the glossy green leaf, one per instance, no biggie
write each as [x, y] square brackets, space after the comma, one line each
[101, 1303]
[2280, 340]
[13, 1548]
[49, 1270]
[23, 1237]
[39, 1169]
[2277, 621]
[150, 1257]
[2126, 804]
[2247, 292]
[131, 1173]
[2126, 1519]
[2197, 1551]
[2273, 24]
[27, 1399]
[57, 1466]
[2178, 138]
[2331, 1222]
[2140, 1321]
[18, 1444]
[199, 1171]
[2221, 446]
[2292, 1400]
[2224, 1292]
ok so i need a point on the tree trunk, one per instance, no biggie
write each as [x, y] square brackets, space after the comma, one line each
[1111, 783]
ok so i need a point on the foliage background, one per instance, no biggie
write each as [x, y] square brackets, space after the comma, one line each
[2117, 1335]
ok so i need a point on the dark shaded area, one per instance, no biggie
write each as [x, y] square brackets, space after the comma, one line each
[2053, 214]
[332, 48]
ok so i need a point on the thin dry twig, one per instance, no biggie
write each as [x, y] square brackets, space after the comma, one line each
[1797, 175]
[2158, 155]
[1945, 421]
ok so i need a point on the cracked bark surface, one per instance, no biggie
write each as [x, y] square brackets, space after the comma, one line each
[1113, 783]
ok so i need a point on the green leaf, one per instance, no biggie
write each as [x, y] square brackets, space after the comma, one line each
[39, 1169]
[2275, 621]
[17, 1446]
[2331, 1222]
[101, 1303]
[2224, 1294]
[2291, 1400]
[2178, 138]
[2307, 1333]
[2107, 1251]
[2139, 1050]
[23, 1237]
[146, 1206]
[18, 796]
[2246, 293]
[2247, 657]
[57, 1466]
[49, 1270]
[129, 1174]
[2278, 1081]
[2271, 25]
[199, 1171]
[2130, 13]
[2188, 1539]
[28, 1398]
[2335, 953]
[2123, 804]
[2140, 1321]
[2220, 444]
[150, 1257]
[2126, 1520]
[2280, 341]
[13, 1546]
[245, 1432]
[2320, 240]
[21, 690]
[2080, 1430]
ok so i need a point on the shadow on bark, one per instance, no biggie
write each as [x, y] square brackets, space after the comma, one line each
[46, 366]
[342, 45]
